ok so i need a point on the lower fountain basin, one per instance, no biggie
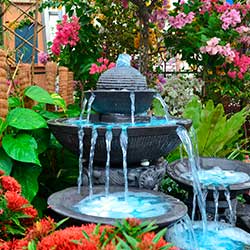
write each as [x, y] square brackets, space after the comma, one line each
[63, 201]
[145, 141]
[177, 169]
[219, 236]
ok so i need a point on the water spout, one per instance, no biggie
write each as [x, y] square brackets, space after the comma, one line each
[124, 146]
[91, 100]
[132, 99]
[108, 139]
[80, 138]
[186, 140]
[164, 105]
[91, 159]
[84, 103]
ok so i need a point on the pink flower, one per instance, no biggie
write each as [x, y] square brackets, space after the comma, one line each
[111, 65]
[181, 19]
[94, 69]
[232, 74]
[43, 57]
[230, 18]
[67, 34]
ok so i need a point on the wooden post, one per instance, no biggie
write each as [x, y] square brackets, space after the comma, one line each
[24, 80]
[51, 73]
[63, 83]
[3, 85]
[70, 91]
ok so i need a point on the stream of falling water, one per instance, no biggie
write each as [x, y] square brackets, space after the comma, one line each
[164, 105]
[232, 212]
[91, 159]
[91, 100]
[80, 138]
[186, 140]
[216, 204]
[132, 100]
[124, 146]
[196, 149]
[108, 139]
[84, 103]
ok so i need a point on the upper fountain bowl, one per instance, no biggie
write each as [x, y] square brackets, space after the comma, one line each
[114, 88]
[118, 101]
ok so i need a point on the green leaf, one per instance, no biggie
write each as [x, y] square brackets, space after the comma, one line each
[32, 245]
[38, 94]
[23, 118]
[59, 223]
[3, 126]
[85, 235]
[159, 235]
[42, 136]
[22, 148]
[27, 176]
[157, 108]
[14, 102]
[59, 101]
[122, 245]
[132, 241]
[5, 162]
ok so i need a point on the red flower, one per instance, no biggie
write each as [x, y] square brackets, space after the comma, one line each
[15, 201]
[133, 222]
[10, 184]
[41, 229]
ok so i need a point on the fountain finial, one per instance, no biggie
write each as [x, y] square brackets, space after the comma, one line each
[123, 60]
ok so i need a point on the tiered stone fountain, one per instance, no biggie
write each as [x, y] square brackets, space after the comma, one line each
[119, 147]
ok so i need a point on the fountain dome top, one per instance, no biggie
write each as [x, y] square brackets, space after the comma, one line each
[123, 76]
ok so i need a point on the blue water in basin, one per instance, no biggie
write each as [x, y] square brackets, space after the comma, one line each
[218, 177]
[220, 236]
[136, 205]
[153, 122]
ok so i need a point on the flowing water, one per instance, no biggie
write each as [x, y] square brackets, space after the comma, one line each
[90, 102]
[124, 145]
[108, 139]
[91, 159]
[80, 138]
[216, 203]
[132, 100]
[164, 105]
[84, 103]
[186, 141]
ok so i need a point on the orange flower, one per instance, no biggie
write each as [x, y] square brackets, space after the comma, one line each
[41, 229]
[15, 201]
[10, 184]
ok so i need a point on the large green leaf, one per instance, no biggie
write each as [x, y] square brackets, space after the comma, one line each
[13, 102]
[23, 118]
[22, 148]
[59, 101]
[38, 94]
[193, 111]
[5, 162]
[216, 134]
[42, 137]
[27, 175]
[3, 126]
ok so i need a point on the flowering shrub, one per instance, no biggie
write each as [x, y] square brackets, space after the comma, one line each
[15, 211]
[211, 36]
[178, 90]
[67, 34]
[21, 229]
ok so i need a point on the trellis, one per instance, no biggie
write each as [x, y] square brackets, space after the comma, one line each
[38, 27]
